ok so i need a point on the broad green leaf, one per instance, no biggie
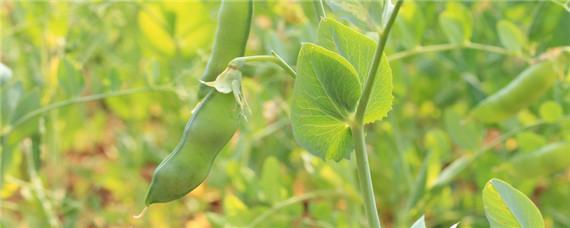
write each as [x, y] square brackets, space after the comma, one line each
[420, 223]
[176, 26]
[511, 36]
[29, 102]
[466, 134]
[359, 51]
[456, 23]
[550, 111]
[506, 206]
[544, 161]
[364, 14]
[326, 92]
[70, 78]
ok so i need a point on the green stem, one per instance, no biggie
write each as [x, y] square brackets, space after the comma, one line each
[364, 176]
[447, 47]
[45, 109]
[240, 61]
[357, 127]
[320, 8]
[359, 117]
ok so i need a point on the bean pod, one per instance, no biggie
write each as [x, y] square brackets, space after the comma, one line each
[545, 160]
[211, 126]
[234, 21]
[529, 86]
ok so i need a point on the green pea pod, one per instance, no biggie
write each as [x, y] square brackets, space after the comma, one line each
[234, 21]
[545, 160]
[211, 126]
[530, 85]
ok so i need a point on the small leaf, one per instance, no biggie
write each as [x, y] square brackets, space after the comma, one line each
[456, 23]
[529, 141]
[270, 180]
[326, 92]
[359, 51]
[466, 135]
[505, 206]
[550, 111]
[511, 36]
[420, 223]
[70, 78]
[363, 14]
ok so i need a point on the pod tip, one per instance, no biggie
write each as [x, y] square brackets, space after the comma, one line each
[141, 214]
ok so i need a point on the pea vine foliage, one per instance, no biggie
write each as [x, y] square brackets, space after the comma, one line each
[330, 81]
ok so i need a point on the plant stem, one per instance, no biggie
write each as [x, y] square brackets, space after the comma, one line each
[359, 117]
[364, 176]
[320, 8]
[446, 47]
[291, 201]
[45, 109]
[357, 127]
[240, 61]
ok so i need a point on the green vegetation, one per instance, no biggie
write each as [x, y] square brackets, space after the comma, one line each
[323, 114]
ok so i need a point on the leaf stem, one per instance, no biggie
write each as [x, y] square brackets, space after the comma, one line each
[447, 47]
[320, 8]
[357, 127]
[240, 61]
[293, 200]
[45, 109]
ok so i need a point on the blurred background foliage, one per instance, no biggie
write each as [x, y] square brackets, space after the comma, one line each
[96, 94]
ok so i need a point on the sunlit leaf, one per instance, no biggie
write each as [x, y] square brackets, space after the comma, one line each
[326, 92]
[359, 51]
[420, 223]
[505, 206]
[511, 36]
[364, 14]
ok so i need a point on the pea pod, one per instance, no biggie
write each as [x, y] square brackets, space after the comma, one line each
[530, 85]
[234, 21]
[545, 160]
[211, 126]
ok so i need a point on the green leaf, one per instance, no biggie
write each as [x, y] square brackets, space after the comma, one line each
[364, 14]
[326, 93]
[456, 23]
[270, 180]
[10, 96]
[410, 25]
[420, 223]
[70, 78]
[550, 111]
[466, 134]
[511, 36]
[530, 141]
[506, 206]
[359, 51]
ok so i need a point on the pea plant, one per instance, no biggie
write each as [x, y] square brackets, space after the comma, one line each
[342, 81]
[344, 103]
